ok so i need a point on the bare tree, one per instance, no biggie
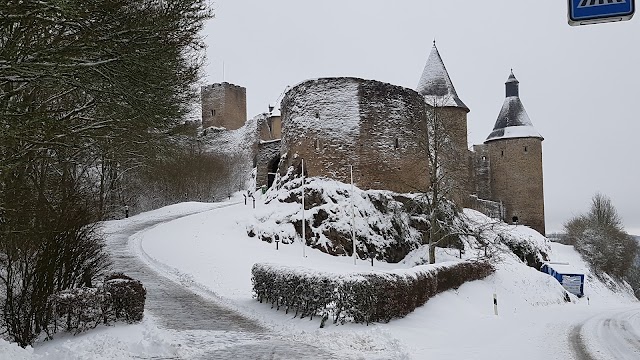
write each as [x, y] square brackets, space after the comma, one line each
[600, 237]
[443, 154]
[84, 86]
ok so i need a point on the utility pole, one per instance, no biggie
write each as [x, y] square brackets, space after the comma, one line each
[304, 239]
[353, 219]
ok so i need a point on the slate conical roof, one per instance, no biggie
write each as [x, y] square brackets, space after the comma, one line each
[435, 84]
[513, 121]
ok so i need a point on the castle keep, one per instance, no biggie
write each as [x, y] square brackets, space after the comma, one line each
[378, 128]
[381, 130]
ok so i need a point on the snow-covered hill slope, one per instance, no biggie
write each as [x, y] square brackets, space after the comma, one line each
[213, 251]
[387, 224]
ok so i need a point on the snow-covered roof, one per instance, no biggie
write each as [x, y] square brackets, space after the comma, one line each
[513, 121]
[435, 84]
[513, 132]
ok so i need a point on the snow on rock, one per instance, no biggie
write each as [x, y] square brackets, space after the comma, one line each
[382, 223]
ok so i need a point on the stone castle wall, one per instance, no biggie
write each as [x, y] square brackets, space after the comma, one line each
[516, 179]
[378, 128]
[268, 158]
[270, 128]
[224, 105]
[381, 130]
[454, 154]
[481, 171]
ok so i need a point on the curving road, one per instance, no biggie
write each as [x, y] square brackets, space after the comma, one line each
[204, 328]
[614, 336]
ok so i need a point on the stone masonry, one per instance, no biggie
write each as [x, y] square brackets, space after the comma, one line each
[516, 179]
[224, 105]
[378, 128]
[381, 130]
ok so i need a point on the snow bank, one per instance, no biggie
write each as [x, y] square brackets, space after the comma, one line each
[11, 351]
[213, 250]
[121, 342]
[137, 341]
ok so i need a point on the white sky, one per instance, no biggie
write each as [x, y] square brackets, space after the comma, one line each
[579, 85]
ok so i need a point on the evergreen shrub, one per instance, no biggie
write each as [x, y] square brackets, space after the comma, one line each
[118, 298]
[359, 297]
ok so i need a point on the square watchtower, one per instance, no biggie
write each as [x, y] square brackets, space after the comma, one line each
[223, 105]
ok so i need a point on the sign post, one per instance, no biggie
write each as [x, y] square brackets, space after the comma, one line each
[585, 12]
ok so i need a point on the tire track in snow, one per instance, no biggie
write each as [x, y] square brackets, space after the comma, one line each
[613, 336]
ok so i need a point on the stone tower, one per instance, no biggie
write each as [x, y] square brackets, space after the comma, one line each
[224, 105]
[445, 106]
[378, 128]
[515, 155]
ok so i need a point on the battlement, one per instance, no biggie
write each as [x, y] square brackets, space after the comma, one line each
[222, 85]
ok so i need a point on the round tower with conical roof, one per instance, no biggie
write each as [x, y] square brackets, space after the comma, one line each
[445, 107]
[515, 155]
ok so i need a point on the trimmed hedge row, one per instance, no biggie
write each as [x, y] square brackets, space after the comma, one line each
[359, 297]
[119, 297]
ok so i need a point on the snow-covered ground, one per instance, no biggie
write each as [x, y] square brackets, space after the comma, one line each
[214, 250]
[211, 252]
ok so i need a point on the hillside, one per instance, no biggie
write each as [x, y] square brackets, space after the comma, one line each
[197, 251]
[211, 254]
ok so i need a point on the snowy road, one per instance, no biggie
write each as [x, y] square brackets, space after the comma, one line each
[204, 328]
[608, 336]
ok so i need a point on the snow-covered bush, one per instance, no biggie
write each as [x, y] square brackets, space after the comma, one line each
[359, 297]
[119, 297]
[126, 300]
[77, 310]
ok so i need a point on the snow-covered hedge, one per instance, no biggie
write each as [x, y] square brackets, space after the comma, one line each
[119, 297]
[359, 297]
[126, 300]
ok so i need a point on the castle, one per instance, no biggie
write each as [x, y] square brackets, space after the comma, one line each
[380, 131]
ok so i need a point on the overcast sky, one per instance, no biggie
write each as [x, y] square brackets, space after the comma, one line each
[579, 85]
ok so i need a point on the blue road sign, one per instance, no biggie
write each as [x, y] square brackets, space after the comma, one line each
[583, 12]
